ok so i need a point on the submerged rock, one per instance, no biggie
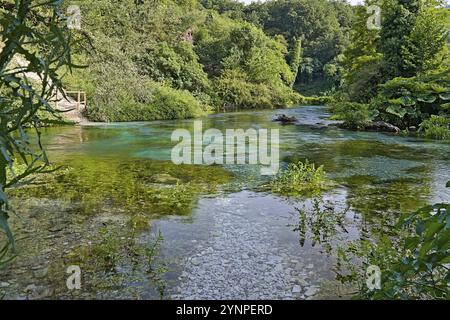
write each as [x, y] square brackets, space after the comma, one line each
[41, 273]
[284, 119]
[296, 289]
[311, 291]
[382, 126]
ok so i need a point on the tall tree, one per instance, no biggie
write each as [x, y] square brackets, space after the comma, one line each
[296, 59]
[412, 36]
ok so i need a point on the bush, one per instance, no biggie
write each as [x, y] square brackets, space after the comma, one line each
[413, 258]
[233, 88]
[316, 101]
[151, 101]
[406, 102]
[356, 116]
[299, 178]
[436, 128]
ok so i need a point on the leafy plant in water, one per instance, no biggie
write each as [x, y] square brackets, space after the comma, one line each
[5, 257]
[414, 261]
[408, 102]
[155, 269]
[356, 116]
[301, 178]
[321, 222]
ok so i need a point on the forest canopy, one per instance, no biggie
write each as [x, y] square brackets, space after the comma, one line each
[174, 59]
[177, 59]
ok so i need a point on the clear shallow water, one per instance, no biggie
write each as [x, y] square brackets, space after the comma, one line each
[237, 242]
[346, 155]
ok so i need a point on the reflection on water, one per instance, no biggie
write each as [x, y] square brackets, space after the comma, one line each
[121, 170]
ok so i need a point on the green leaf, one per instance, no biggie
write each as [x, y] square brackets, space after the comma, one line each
[445, 96]
[407, 101]
[429, 98]
[396, 111]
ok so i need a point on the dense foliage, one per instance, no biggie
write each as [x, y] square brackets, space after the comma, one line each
[401, 69]
[321, 25]
[141, 55]
[413, 258]
[301, 178]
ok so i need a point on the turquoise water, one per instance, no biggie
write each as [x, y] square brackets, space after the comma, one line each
[380, 158]
[376, 175]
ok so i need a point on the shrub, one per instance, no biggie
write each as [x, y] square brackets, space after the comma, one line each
[299, 178]
[149, 101]
[408, 102]
[356, 116]
[413, 258]
[436, 127]
[234, 88]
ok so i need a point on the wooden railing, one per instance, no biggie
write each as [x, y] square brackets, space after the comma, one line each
[79, 96]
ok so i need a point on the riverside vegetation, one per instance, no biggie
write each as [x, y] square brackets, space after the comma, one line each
[399, 73]
[178, 59]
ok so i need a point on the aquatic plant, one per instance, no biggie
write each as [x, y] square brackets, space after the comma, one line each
[156, 269]
[111, 258]
[5, 255]
[91, 185]
[413, 259]
[299, 178]
[320, 223]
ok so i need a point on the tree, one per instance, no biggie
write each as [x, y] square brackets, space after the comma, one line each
[413, 37]
[36, 33]
[296, 59]
[322, 25]
[362, 61]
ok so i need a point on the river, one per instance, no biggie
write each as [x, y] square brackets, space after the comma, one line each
[223, 236]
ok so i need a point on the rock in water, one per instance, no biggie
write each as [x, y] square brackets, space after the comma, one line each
[284, 119]
[311, 291]
[382, 126]
[296, 289]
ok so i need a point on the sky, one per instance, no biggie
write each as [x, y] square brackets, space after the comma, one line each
[351, 1]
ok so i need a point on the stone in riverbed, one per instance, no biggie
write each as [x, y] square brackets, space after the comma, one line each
[296, 289]
[278, 268]
[195, 262]
[284, 119]
[41, 273]
[311, 291]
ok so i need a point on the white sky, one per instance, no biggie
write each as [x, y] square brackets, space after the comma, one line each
[351, 1]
